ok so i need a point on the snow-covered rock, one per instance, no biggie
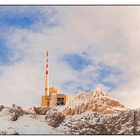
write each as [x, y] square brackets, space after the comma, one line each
[54, 118]
[1, 107]
[16, 112]
[93, 123]
[96, 123]
[38, 110]
[91, 113]
[96, 101]
[11, 113]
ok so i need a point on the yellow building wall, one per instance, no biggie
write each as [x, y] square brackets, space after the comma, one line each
[53, 90]
[50, 101]
[45, 101]
[53, 101]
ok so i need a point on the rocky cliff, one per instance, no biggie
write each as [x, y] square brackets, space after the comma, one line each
[125, 123]
[93, 113]
[96, 101]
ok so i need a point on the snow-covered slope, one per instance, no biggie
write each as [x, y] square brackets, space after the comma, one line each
[25, 124]
[88, 113]
[126, 122]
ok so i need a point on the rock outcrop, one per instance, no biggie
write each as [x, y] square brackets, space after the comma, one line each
[54, 118]
[8, 133]
[38, 110]
[12, 113]
[1, 107]
[91, 113]
[125, 123]
[15, 112]
[96, 101]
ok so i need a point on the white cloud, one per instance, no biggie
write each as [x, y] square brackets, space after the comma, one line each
[107, 34]
[21, 84]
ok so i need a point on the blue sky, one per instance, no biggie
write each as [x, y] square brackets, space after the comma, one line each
[4, 53]
[12, 18]
[103, 71]
[32, 19]
[79, 62]
[85, 51]
[25, 17]
[76, 62]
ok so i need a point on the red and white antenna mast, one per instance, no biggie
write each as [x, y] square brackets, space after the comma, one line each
[47, 76]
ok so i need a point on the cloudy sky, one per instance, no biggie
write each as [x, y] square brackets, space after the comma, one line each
[89, 47]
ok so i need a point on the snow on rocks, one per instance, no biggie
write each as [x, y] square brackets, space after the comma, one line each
[96, 101]
[25, 124]
[16, 112]
[1, 107]
[87, 123]
[54, 118]
[96, 123]
[11, 113]
[38, 110]
[87, 114]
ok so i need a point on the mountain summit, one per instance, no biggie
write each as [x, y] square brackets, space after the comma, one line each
[96, 100]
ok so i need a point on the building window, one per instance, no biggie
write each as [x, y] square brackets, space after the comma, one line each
[60, 101]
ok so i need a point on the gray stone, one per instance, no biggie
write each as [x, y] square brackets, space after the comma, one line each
[54, 118]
